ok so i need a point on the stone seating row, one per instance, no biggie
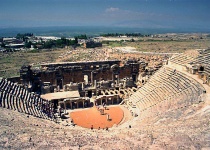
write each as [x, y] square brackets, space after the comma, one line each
[207, 69]
[182, 59]
[202, 59]
[165, 84]
[14, 97]
[11, 102]
[181, 100]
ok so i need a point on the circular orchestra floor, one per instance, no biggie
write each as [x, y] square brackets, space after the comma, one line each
[96, 117]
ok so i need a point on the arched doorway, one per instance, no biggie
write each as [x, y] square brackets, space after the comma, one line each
[68, 106]
[60, 83]
[115, 101]
[134, 78]
[89, 94]
[109, 101]
[103, 101]
[80, 104]
[86, 79]
[86, 104]
[106, 93]
[201, 68]
[98, 102]
[122, 92]
[73, 105]
[62, 105]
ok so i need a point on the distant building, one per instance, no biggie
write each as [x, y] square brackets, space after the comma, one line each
[15, 45]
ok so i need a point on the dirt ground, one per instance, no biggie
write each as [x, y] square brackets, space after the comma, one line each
[92, 117]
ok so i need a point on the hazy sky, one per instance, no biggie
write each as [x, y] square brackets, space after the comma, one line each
[132, 13]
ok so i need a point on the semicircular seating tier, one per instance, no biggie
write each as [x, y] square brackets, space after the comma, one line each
[169, 85]
[14, 97]
[194, 62]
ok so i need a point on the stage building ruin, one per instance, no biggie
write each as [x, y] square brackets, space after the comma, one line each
[103, 80]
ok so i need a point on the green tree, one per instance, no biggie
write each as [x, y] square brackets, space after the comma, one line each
[3, 45]
[28, 44]
[132, 40]
[76, 40]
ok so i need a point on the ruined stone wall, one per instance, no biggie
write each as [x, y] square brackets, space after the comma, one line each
[103, 75]
[64, 73]
[129, 70]
[125, 72]
[48, 77]
[75, 76]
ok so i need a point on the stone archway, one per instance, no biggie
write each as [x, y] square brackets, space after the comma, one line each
[115, 101]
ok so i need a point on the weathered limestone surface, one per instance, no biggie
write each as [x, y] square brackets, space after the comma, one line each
[186, 128]
[173, 113]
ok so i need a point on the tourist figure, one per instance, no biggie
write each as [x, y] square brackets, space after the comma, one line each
[104, 104]
[72, 121]
[108, 117]
[91, 127]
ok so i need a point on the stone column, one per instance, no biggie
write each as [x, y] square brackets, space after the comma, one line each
[65, 105]
[118, 79]
[85, 93]
[95, 83]
[83, 103]
[91, 78]
[82, 85]
[96, 92]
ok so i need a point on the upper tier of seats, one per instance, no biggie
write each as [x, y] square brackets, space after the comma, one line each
[166, 84]
[182, 59]
[203, 58]
[196, 57]
[14, 97]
